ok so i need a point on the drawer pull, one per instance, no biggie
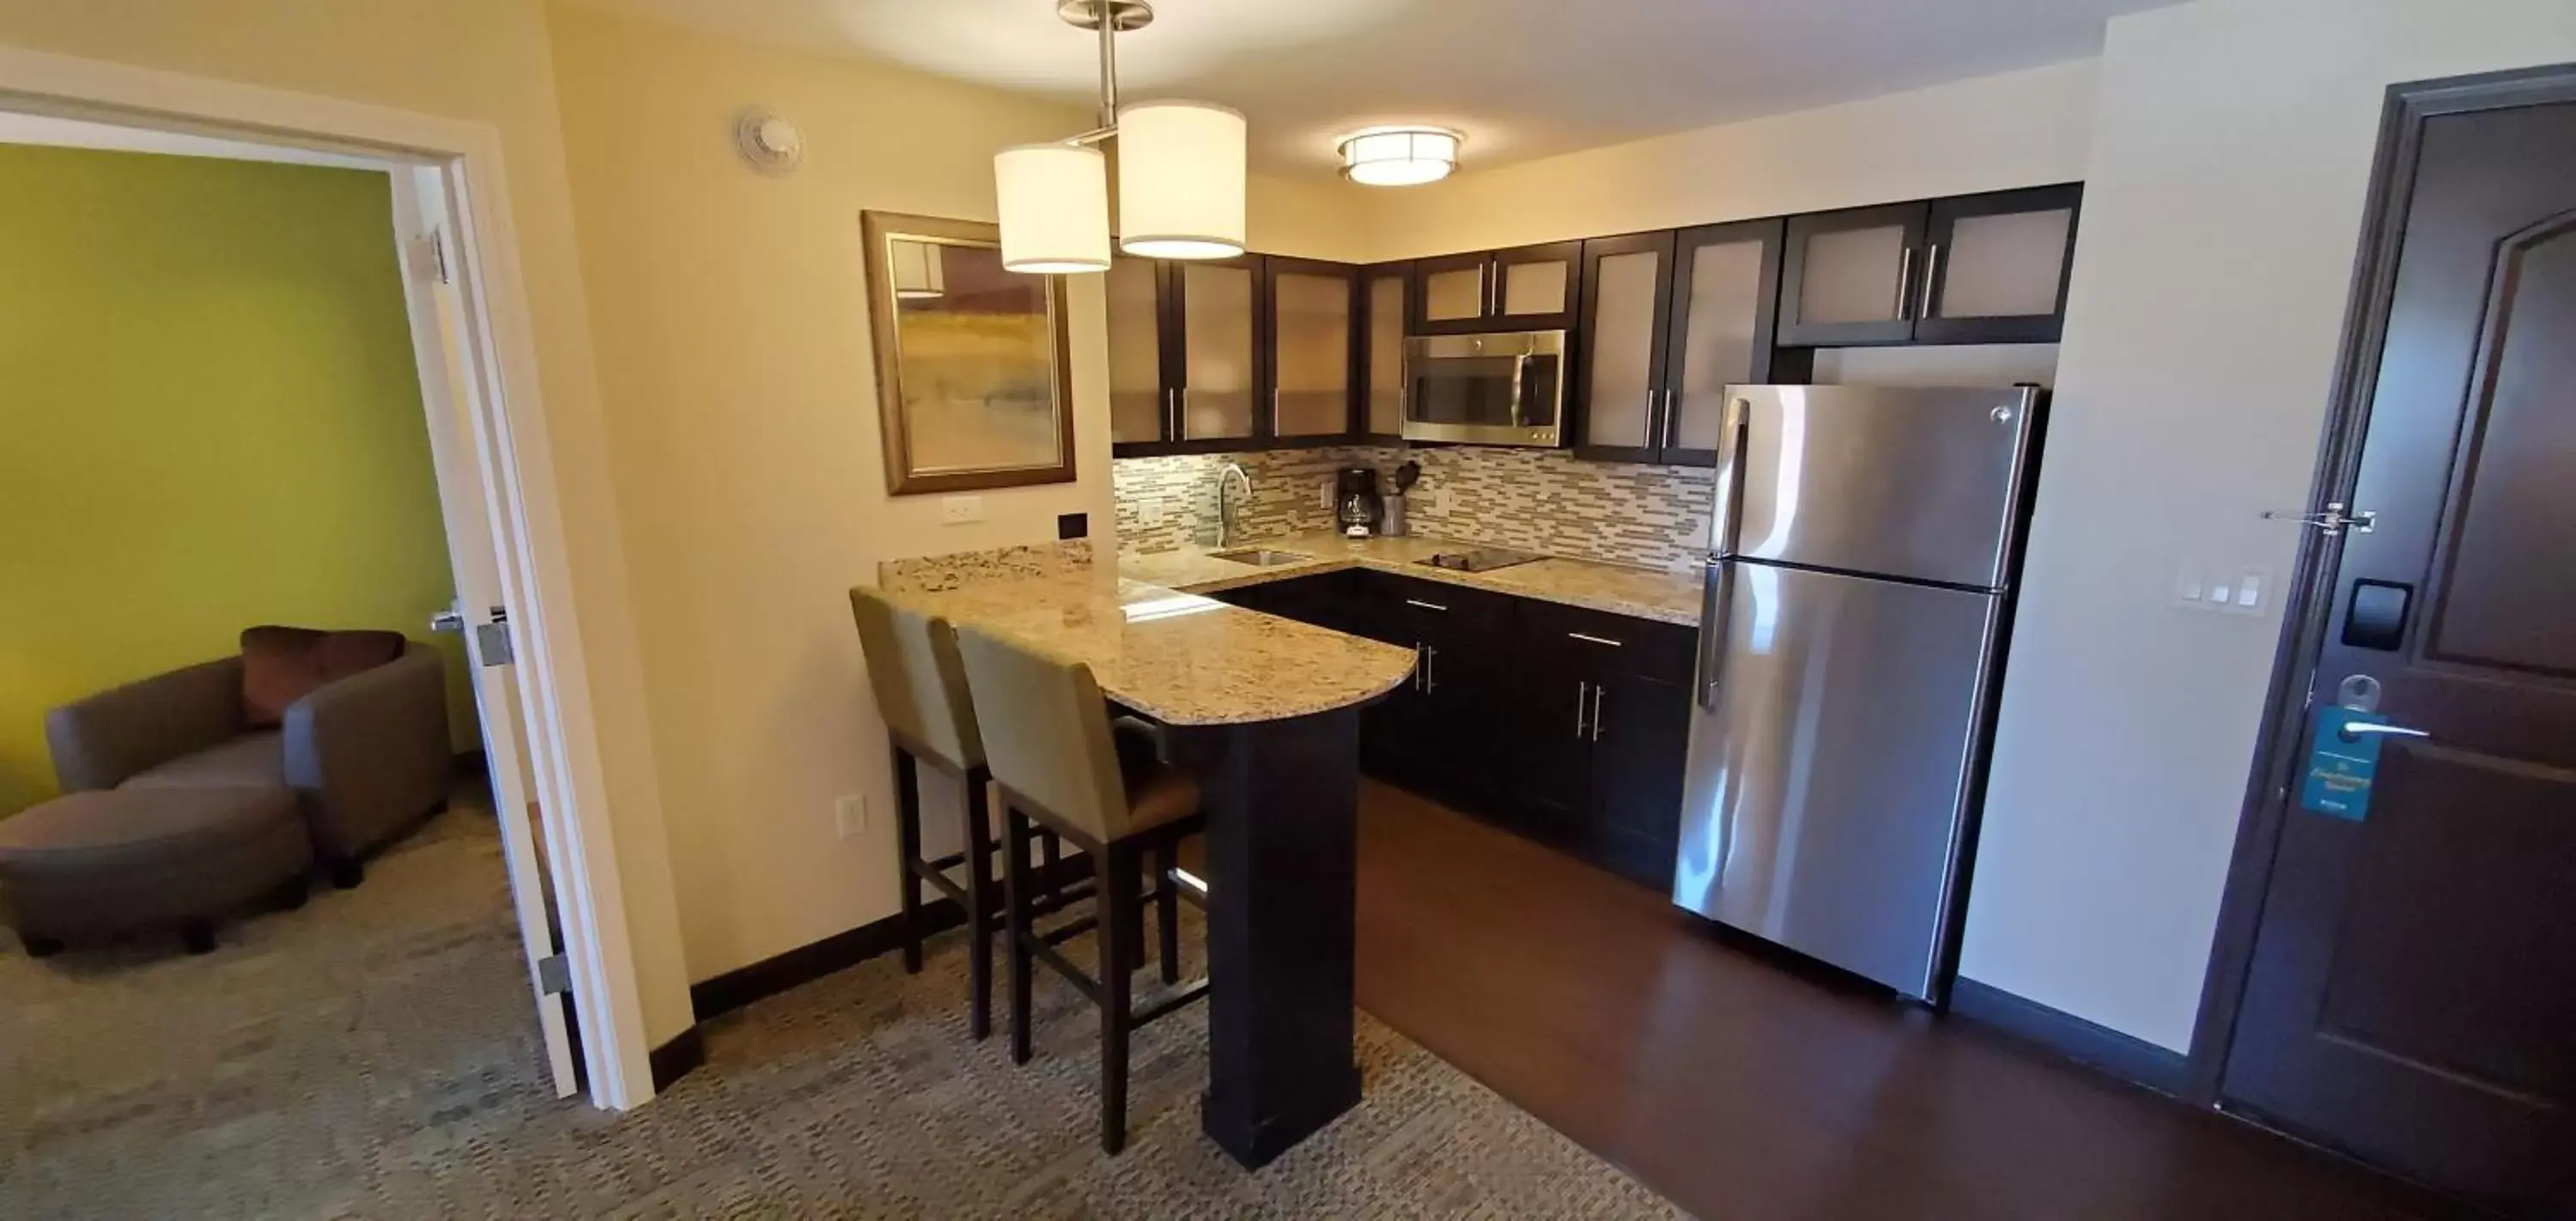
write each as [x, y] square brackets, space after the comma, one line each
[1426, 605]
[1592, 639]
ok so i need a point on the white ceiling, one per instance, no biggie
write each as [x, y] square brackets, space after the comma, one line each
[1523, 78]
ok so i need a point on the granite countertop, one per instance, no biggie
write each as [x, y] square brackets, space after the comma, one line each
[1646, 593]
[1178, 657]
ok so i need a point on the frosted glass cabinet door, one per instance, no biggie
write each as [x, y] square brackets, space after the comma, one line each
[1995, 266]
[1450, 292]
[1311, 344]
[1627, 286]
[1219, 345]
[1726, 279]
[1384, 301]
[1535, 287]
[1851, 276]
[1139, 407]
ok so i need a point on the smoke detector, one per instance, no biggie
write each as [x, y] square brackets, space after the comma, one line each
[768, 143]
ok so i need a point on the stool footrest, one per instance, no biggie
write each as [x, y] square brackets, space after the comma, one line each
[1170, 1004]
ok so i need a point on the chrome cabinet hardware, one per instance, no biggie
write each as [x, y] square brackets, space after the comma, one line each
[1430, 669]
[1592, 639]
[1432, 606]
[1582, 692]
[1904, 279]
[1931, 272]
[1597, 690]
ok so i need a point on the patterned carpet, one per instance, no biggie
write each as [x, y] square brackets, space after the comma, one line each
[374, 1054]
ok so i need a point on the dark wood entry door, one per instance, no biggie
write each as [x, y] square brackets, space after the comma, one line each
[2412, 991]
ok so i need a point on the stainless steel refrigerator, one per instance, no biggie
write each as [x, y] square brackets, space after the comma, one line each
[1861, 553]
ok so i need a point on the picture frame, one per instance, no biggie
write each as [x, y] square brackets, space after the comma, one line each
[973, 362]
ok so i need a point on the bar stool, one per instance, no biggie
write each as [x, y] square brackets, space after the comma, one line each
[1059, 762]
[921, 692]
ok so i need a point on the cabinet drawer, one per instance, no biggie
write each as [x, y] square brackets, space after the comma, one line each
[1646, 648]
[1439, 608]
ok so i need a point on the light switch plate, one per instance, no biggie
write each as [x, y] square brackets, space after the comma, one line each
[959, 510]
[850, 815]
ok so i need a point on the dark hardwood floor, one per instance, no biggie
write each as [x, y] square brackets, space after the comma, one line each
[1742, 1089]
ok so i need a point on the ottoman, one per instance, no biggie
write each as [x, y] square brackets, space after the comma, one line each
[90, 864]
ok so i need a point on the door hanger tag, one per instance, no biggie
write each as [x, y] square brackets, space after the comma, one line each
[2342, 765]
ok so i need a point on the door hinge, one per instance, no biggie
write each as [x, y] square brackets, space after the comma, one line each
[554, 975]
[492, 640]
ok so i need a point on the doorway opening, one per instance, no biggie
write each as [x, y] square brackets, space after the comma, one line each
[466, 328]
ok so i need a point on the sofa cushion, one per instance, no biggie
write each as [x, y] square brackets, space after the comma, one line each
[281, 665]
[253, 760]
[134, 827]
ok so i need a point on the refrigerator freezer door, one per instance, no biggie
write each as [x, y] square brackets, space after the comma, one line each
[1918, 484]
[1829, 764]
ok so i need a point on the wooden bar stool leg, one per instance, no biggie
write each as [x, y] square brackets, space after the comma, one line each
[1015, 923]
[907, 833]
[979, 902]
[1167, 909]
[1119, 909]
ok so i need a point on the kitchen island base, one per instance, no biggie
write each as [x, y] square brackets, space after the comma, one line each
[1282, 803]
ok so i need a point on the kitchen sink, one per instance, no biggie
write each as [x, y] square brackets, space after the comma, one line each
[1260, 557]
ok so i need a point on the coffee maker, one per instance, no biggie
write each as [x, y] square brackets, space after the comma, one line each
[1355, 501]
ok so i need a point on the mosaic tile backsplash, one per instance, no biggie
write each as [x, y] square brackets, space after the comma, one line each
[1540, 500]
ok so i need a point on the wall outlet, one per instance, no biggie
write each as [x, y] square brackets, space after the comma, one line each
[959, 510]
[1325, 495]
[850, 815]
[1440, 500]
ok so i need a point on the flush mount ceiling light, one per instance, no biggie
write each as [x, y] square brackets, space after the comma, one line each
[1180, 173]
[1399, 156]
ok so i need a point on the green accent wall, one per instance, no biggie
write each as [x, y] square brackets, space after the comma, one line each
[209, 418]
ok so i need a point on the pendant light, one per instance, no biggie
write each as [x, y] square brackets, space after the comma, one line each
[1180, 173]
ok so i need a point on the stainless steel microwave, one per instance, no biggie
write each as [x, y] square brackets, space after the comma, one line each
[1497, 389]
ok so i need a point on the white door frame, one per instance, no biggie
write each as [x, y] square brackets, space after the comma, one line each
[511, 456]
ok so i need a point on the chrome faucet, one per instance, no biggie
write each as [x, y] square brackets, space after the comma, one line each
[1224, 518]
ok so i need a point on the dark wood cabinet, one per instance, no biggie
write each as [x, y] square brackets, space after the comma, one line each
[1523, 288]
[1995, 266]
[1967, 269]
[1439, 735]
[1253, 352]
[1603, 735]
[1386, 294]
[1668, 321]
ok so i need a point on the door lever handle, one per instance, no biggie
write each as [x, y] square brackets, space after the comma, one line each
[2353, 732]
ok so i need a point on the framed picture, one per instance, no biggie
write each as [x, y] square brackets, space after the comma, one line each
[974, 374]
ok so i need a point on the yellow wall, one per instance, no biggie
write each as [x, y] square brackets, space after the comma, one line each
[487, 62]
[1991, 133]
[213, 420]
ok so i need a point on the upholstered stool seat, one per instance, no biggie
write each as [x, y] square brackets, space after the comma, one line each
[107, 861]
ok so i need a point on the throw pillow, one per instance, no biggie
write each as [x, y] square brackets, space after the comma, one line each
[281, 665]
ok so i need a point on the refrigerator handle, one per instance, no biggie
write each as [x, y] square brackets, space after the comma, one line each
[1726, 501]
[1717, 602]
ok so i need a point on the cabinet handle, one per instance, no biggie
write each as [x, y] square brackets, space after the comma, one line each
[1592, 639]
[1931, 272]
[1418, 667]
[1904, 279]
[1430, 669]
[1582, 691]
[1672, 422]
[1426, 605]
[1597, 689]
[1172, 408]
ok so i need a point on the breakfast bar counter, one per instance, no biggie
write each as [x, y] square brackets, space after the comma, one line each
[1265, 712]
